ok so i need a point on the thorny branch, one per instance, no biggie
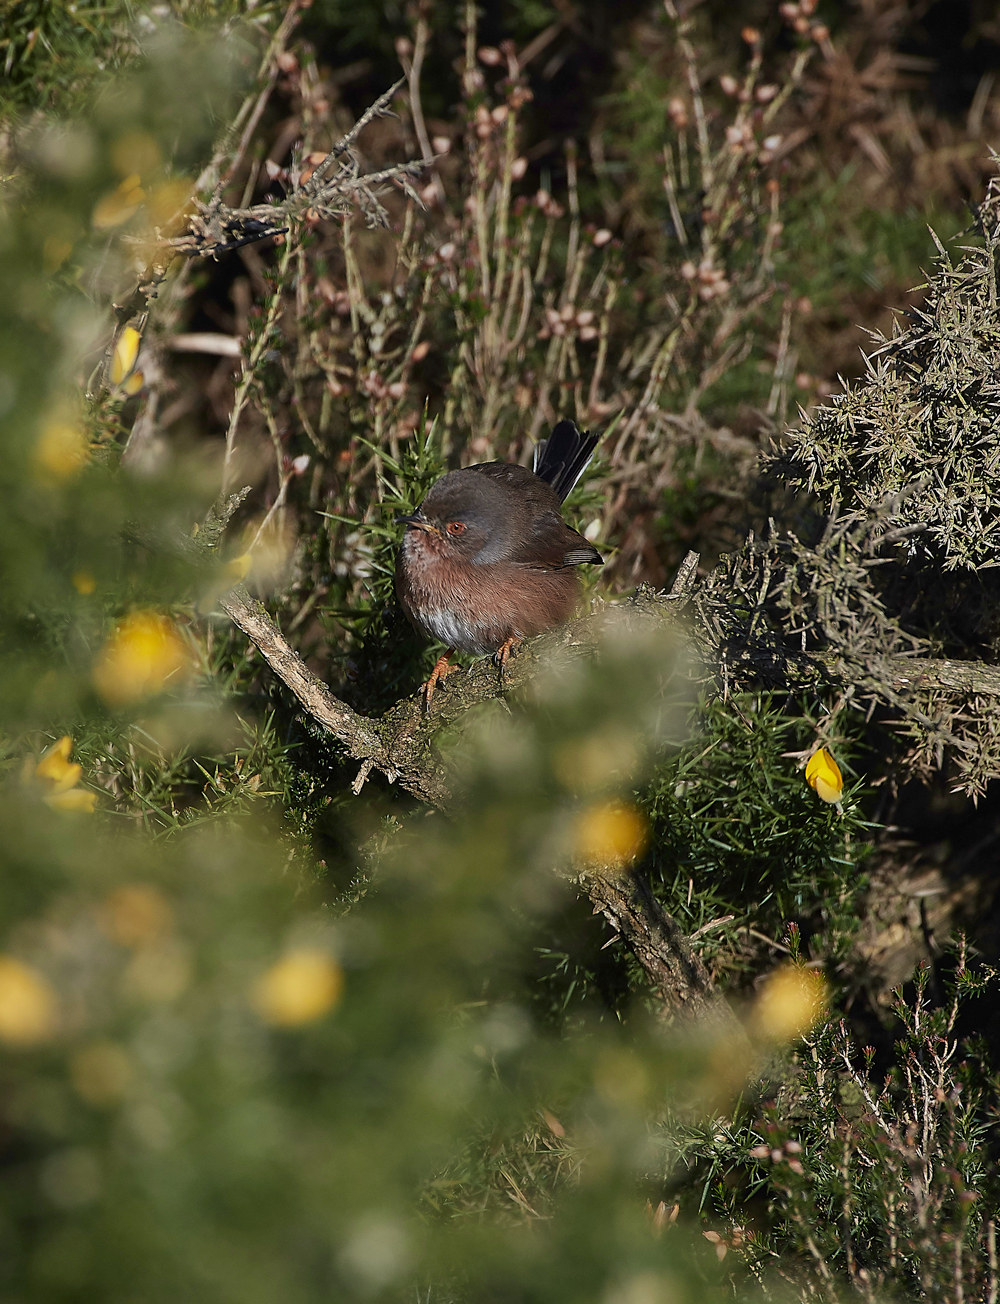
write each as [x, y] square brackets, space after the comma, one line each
[329, 191]
[400, 744]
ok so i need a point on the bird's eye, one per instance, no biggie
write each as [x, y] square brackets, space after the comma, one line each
[456, 527]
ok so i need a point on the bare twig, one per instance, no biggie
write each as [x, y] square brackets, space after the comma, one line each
[214, 228]
[413, 70]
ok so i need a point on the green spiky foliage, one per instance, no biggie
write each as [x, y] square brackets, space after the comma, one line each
[915, 442]
[739, 834]
[58, 56]
[878, 1171]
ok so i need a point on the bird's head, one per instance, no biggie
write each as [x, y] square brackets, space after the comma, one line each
[462, 518]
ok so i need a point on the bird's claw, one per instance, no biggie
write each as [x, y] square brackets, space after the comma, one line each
[441, 668]
[503, 654]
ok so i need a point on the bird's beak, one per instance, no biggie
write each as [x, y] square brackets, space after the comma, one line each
[418, 521]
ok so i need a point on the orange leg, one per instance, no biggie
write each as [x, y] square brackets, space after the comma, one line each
[441, 668]
[503, 653]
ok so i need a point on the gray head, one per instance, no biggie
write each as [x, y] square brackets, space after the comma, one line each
[470, 517]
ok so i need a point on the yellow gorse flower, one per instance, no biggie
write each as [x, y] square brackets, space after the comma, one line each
[167, 204]
[610, 834]
[123, 374]
[118, 205]
[300, 988]
[61, 449]
[58, 776]
[791, 1002]
[141, 657]
[823, 774]
[29, 1009]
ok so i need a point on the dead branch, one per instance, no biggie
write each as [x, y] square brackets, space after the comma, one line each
[330, 190]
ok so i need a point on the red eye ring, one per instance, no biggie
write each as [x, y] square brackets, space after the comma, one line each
[456, 527]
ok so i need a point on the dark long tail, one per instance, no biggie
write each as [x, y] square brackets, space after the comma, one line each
[561, 459]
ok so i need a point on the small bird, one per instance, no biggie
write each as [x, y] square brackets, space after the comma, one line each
[487, 559]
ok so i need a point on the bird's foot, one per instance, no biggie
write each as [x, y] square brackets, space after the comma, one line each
[503, 654]
[441, 668]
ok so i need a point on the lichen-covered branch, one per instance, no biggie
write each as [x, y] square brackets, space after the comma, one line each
[354, 731]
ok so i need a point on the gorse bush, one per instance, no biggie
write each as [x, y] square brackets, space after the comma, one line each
[860, 1180]
[733, 819]
[446, 1019]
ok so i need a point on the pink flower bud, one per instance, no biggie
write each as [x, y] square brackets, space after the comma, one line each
[677, 111]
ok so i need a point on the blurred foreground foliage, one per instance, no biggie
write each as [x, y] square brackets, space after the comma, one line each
[262, 1039]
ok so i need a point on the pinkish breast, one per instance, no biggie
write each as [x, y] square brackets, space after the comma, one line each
[477, 608]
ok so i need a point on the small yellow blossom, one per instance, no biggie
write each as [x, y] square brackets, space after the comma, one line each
[118, 205]
[84, 582]
[167, 204]
[823, 774]
[140, 658]
[238, 568]
[792, 1001]
[61, 450]
[28, 1005]
[610, 835]
[57, 776]
[123, 374]
[301, 987]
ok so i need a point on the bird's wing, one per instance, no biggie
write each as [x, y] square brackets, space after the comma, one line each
[538, 536]
[553, 544]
